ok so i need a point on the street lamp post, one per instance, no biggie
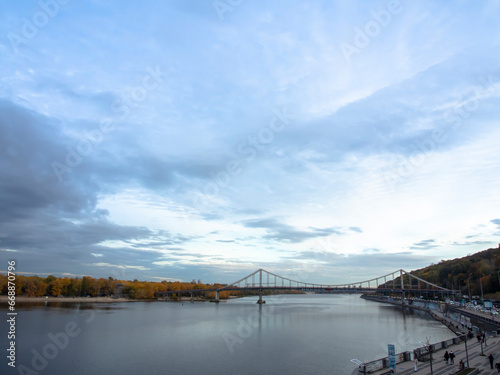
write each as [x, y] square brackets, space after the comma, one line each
[481, 283]
[466, 351]
[428, 347]
[468, 287]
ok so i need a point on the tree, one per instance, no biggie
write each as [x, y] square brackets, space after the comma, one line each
[74, 287]
[35, 287]
[49, 279]
[85, 286]
[56, 287]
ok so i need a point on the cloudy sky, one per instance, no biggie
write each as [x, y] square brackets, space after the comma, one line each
[326, 141]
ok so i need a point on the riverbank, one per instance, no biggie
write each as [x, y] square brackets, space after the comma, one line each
[470, 352]
[436, 314]
[25, 299]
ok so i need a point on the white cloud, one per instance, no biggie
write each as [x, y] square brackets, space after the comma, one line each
[351, 157]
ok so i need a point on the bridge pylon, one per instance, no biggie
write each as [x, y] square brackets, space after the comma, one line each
[402, 288]
[260, 301]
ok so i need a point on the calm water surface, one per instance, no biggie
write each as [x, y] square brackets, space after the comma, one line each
[304, 334]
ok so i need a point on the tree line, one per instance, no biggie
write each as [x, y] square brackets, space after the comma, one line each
[35, 286]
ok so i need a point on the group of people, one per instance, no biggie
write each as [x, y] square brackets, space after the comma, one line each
[449, 357]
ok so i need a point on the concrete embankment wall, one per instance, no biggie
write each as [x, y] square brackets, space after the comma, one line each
[433, 308]
[423, 353]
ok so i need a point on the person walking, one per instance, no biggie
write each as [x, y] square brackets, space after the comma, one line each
[452, 357]
[491, 358]
[446, 356]
[416, 364]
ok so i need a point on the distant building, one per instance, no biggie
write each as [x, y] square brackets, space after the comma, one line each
[199, 281]
[193, 281]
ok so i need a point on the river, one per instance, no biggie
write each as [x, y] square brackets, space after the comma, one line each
[290, 334]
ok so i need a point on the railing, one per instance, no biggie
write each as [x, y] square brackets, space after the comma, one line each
[422, 354]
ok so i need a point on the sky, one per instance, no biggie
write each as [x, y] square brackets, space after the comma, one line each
[325, 141]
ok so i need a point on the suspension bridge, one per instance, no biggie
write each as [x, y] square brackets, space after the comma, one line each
[397, 282]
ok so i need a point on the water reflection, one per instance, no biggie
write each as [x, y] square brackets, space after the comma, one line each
[289, 334]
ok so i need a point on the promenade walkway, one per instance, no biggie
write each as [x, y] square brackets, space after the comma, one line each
[440, 367]
[476, 360]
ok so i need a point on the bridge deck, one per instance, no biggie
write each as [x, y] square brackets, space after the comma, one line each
[305, 289]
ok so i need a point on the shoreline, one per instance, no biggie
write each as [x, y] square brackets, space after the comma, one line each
[25, 299]
[434, 314]
[405, 360]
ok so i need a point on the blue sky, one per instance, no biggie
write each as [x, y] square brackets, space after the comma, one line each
[325, 141]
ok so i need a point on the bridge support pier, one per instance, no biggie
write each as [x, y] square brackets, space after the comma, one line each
[192, 297]
[260, 301]
[216, 296]
[402, 290]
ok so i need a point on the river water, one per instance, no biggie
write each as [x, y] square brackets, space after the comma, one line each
[290, 334]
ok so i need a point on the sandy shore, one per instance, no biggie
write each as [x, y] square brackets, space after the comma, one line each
[69, 299]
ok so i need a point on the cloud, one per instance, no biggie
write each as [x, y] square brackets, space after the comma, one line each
[119, 266]
[358, 169]
[332, 268]
[496, 222]
[371, 250]
[278, 231]
[474, 243]
[424, 245]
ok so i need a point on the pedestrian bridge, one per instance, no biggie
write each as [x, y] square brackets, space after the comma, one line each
[400, 281]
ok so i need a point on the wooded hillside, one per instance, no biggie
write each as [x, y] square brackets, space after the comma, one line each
[453, 274]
